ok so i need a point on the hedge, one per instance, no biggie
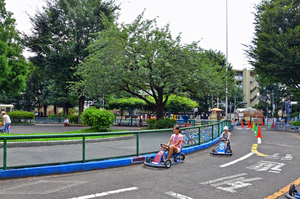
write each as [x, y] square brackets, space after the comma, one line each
[17, 116]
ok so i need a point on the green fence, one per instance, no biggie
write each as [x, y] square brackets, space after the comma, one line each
[31, 150]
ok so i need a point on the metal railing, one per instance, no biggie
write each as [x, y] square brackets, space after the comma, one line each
[33, 150]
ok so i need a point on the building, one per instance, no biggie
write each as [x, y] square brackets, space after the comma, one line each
[246, 80]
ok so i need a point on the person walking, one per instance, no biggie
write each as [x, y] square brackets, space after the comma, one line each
[6, 121]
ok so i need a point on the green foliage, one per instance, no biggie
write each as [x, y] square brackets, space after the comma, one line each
[61, 32]
[296, 114]
[150, 123]
[17, 116]
[127, 103]
[161, 124]
[143, 59]
[97, 118]
[296, 123]
[165, 123]
[13, 65]
[275, 48]
[73, 118]
[180, 103]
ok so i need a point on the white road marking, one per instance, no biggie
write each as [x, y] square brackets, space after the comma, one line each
[177, 195]
[224, 178]
[237, 160]
[287, 157]
[231, 184]
[106, 193]
[274, 156]
[273, 167]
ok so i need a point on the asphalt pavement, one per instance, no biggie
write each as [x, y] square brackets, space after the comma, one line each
[56, 128]
[253, 171]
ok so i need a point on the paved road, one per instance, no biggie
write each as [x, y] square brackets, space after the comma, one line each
[54, 128]
[200, 176]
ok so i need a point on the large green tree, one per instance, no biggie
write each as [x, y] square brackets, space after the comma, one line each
[144, 60]
[275, 48]
[13, 65]
[61, 33]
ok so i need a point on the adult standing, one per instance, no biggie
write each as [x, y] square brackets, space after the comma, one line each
[6, 121]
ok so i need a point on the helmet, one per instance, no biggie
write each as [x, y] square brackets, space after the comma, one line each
[226, 128]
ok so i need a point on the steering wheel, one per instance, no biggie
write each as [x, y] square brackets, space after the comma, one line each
[164, 145]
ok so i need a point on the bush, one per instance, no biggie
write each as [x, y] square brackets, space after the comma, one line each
[97, 118]
[150, 123]
[165, 123]
[53, 116]
[296, 123]
[73, 118]
[17, 116]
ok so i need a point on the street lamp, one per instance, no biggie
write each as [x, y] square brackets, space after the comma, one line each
[226, 57]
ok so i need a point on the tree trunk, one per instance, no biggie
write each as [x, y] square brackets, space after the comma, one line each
[80, 108]
[159, 106]
[45, 111]
[54, 110]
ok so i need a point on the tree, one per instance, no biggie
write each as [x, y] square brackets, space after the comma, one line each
[145, 60]
[275, 48]
[13, 65]
[61, 33]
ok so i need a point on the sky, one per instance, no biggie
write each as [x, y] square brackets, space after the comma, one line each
[196, 20]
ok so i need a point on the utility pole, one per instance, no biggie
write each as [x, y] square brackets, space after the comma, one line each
[273, 106]
[226, 107]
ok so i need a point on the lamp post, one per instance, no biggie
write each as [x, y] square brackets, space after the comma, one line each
[226, 58]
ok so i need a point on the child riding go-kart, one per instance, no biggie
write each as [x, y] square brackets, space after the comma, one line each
[293, 193]
[160, 159]
[224, 147]
[222, 150]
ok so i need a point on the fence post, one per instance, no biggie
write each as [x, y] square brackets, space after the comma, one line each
[137, 144]
[83, 148]
[199, 135]
[212, 132]
[4, 153]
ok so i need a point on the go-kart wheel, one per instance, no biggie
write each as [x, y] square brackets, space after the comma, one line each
[182, 156]
[168, 164]
[213, 151]
[150, 159]
[292, 191]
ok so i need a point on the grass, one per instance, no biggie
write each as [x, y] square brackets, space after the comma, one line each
[88, 130]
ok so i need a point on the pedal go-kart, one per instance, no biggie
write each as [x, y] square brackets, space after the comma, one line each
[293, 193]
[160, 160]
[221, 149]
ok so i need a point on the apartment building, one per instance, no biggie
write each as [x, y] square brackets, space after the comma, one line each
[246, 80]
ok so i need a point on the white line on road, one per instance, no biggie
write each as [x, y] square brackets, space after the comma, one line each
[224, 178]
[237, 160]
[177, 195]
[106, 193]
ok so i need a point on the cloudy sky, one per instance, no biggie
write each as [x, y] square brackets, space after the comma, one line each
[197, 20]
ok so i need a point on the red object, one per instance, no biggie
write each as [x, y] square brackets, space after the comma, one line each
[242, 125]
[248, 124]
[258, 133]
[187, 124]
[251, 125]
[262, 124]
[9, 126]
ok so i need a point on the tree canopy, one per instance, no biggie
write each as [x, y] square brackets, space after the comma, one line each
[144, 60]
[13, 65]
[275, 51]
[61, 32]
